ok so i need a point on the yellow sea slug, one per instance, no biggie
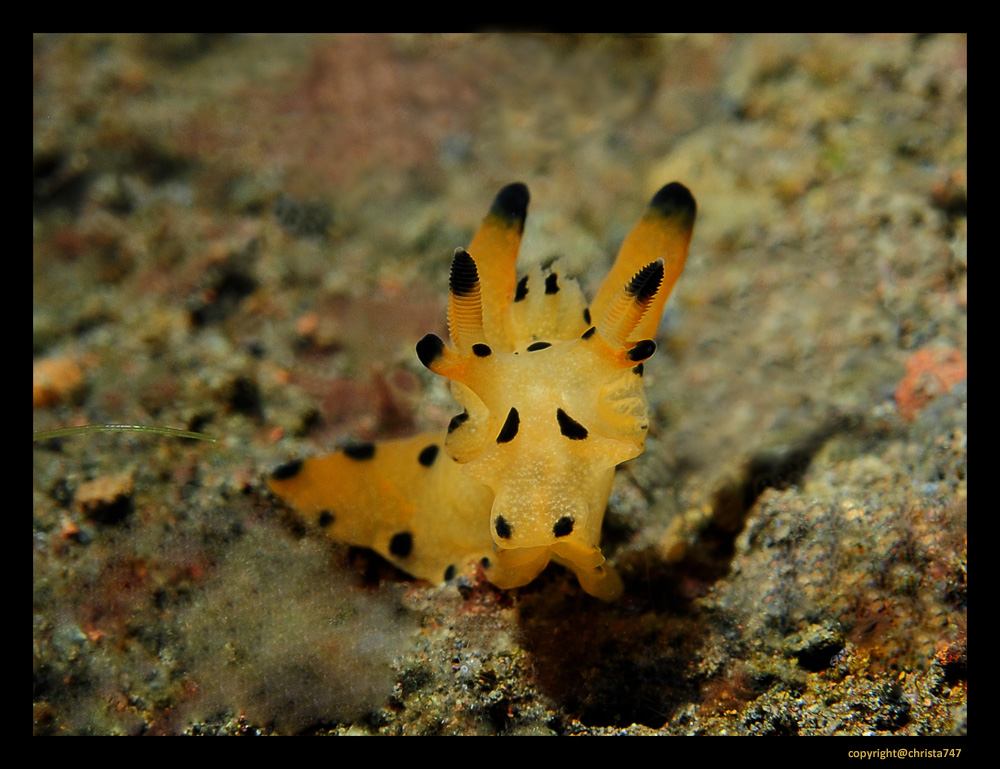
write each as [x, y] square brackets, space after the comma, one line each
[552, 401]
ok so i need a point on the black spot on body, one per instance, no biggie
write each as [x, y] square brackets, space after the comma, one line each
[429, 349]
[586, 315]
[325, 519]
[552, 284]
[503, 529]
[360, 451]
[401, 544]
[538, 346]
[589, 332]
[287, 470]
[482, 350]
[642, 350]
[510, 427]
[522, 289]
[639, 369]
[457, 421]
[449, 573]
[428, 455]
[563, 527]
[570, 427]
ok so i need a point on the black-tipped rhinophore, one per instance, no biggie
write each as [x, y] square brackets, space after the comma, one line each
[646, 282]
[429, 349]
[464, 275]
[511, 203]
[675, 198]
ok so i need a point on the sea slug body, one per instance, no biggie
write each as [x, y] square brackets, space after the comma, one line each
[552, 401]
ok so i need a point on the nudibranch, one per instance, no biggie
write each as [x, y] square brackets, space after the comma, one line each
[552, 401]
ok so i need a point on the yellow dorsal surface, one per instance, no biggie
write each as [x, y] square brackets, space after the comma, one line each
[552, 401]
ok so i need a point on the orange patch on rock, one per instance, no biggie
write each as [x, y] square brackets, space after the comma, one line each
[101, 493]
[929, 373]
[54, 380]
